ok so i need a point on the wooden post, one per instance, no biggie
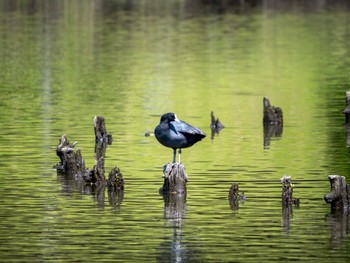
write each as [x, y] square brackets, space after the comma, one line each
[175, 179]
[339, 196]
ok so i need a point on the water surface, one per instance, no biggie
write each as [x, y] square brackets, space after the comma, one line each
[65, 62]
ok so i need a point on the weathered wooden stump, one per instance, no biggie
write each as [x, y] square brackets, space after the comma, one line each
[97, 174]
[175, 179]
[234, 197]
[287, 191]
[347, 108]
[272, 114]
[115, 180]
[101, 134]
[339, 196]
[216, 126]
[272, 121]
[287, 202]
[102, 138]
[71, 162]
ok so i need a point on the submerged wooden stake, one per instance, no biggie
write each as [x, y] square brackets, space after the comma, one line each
[175, 178]
[339, 196]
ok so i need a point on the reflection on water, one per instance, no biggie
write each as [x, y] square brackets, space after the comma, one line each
[272, 131]
[131, 61]
[339, 223]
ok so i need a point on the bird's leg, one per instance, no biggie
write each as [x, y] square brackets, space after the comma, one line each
[174, 157]
[180, 155]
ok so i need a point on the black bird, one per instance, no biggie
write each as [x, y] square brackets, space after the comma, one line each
[176, 134]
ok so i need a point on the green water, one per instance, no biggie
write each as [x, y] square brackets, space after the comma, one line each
[63, 62]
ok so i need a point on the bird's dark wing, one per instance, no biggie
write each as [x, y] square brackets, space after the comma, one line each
[184, 128]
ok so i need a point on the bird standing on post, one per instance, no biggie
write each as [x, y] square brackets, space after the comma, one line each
[176, 134]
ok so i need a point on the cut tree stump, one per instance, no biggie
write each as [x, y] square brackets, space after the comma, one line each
[175, 179]
[339, 196]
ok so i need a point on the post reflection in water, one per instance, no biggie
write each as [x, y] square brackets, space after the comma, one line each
[272, 131]
[339, 224]
[177, 249]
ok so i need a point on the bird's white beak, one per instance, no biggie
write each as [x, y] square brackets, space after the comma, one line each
[176, 119]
